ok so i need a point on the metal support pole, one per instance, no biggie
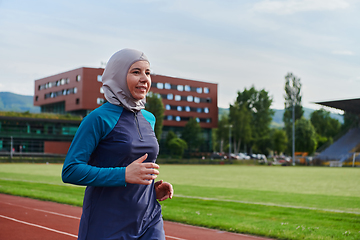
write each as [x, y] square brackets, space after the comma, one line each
[230, 126]
[354, 159]
[293, 132]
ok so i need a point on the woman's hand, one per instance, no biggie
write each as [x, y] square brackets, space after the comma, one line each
[164, 190]
[141, 173]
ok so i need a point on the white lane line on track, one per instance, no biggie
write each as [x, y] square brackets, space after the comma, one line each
[59, 214]
[176, 238]
[45, 211]
[39, 226]
[266, 204]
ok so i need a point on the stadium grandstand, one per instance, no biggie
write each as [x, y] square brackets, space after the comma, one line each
[346, 149]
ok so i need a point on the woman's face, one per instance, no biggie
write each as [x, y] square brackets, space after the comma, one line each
[138, 79]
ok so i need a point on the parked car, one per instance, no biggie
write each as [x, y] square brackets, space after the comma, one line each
[216, 155]
[281, 160]
[243, 156]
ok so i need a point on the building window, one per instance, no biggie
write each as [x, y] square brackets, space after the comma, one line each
[206, 110]
[101, 90]
[99, 78]
[160, 85]
[167, 107]
[75, 90]
[206, 90]
[208, 100]
[36, 98]
[187, 88]
[189, 98]
[100, 101]
[187, 108]
[170, 96]
[180, 88]
[198, 110]
[63, 81]
[77, 100]
[199, 90]
[197, 119]
[177, 98]
[197, 99]
[78, 78]
[208, 120]
[179, 108]
[169, 117]
[177, 118]
[167, 86]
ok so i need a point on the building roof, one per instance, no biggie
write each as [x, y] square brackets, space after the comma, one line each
[348, 105]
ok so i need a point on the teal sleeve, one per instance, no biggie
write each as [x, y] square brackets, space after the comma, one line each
[92, 129]
[149, 117]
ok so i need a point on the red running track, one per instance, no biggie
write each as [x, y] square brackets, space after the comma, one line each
[30, 219]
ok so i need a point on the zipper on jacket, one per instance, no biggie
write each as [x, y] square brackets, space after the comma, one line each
[137, 125]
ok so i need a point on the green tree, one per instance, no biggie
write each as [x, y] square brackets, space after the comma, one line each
[325, 126]
[192, 134]
[305, 136]
[177, 147]
[350, 120]
[156, 107]
[240, 119]
[292, 95]
[222, 133]
[171, 135]
[258, 104]
[279, 140]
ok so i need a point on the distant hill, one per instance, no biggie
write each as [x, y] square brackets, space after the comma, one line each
[279, 113]
[17, 103]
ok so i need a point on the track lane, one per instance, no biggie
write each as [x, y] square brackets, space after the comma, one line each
[27, 219]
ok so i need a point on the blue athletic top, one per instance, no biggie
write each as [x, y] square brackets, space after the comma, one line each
[107, 141]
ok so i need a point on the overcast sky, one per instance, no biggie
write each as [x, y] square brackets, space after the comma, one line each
[236, 44]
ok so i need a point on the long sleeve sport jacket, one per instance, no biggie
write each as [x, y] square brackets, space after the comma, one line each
[107, 141]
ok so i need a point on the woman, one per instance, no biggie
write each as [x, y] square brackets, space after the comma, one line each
[113, 153]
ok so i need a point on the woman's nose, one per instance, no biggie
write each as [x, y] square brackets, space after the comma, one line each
[143, 77]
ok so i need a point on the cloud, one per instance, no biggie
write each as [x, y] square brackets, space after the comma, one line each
[293, 6]
[349, 53]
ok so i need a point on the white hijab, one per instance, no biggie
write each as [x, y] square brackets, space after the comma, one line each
[115, 86]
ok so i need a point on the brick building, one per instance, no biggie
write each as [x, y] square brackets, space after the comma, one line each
[79, 92]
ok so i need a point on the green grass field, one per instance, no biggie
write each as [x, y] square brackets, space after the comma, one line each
[278, 202]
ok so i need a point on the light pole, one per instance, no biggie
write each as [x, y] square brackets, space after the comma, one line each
[293, 131]
[230, 126]
[293, 101]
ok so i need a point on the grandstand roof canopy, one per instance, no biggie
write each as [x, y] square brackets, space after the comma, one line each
[348, 105]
